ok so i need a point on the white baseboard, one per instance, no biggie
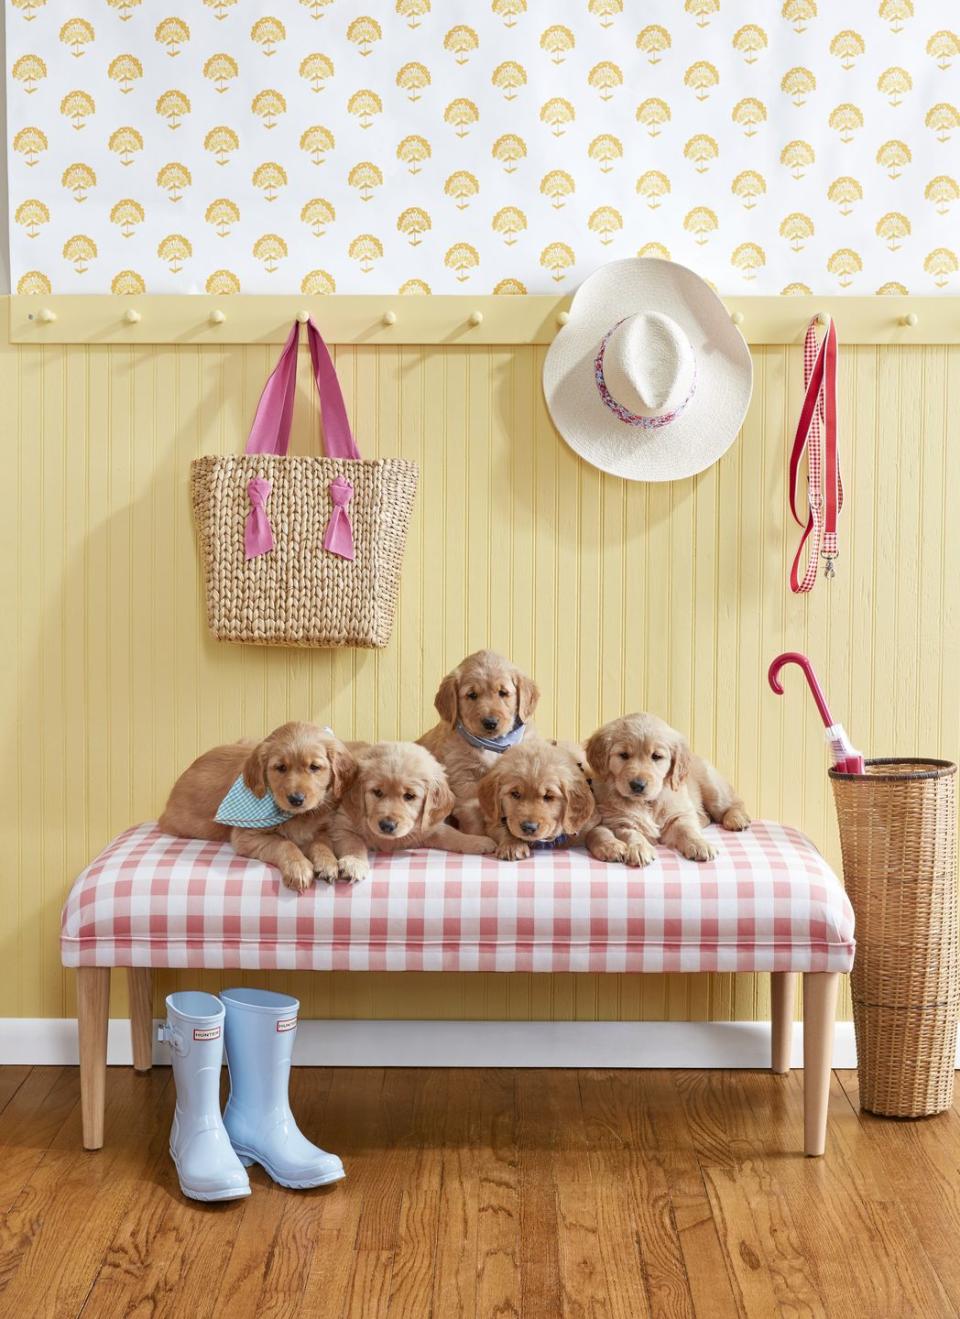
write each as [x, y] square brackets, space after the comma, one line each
[45, 1040]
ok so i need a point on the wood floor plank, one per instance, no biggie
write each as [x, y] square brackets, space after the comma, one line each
[539, 1136]
[638, 1238]
[501, 1193]
[271, 1252]
[455, 1274]
[354, 1125]
[753, 1216]
[70, 1209]
[920, 1165]
[414, 1260]
[499, 1287]
[712, 1292]
[29, 1124]
[11, 1079]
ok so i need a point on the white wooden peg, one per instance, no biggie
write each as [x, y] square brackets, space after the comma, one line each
[132, 317]
[217, 317]
[476, 318]
[910, 319]
[303, 317]
[562, 317]
[46, 316]
[389, 318]
[822, 318]
[737, 317]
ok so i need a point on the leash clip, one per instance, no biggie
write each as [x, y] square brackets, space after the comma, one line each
[828, 570]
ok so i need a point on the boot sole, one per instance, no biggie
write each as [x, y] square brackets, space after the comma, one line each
[229, 1194]
[246, 1158]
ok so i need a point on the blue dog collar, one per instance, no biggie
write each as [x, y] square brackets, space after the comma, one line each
[547, 844]
[497, 744]
[243, 809]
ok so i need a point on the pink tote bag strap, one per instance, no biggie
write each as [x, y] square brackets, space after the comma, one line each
[270, 434]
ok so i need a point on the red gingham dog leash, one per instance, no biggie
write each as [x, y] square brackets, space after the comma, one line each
[818, 417]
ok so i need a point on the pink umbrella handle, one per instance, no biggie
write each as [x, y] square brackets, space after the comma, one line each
[795, 657]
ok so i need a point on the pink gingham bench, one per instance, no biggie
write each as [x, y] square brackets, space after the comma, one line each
[768, 902]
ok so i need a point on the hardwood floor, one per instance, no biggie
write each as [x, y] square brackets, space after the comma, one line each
[489, 1193]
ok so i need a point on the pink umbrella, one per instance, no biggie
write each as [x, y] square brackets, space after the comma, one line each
[846, 758]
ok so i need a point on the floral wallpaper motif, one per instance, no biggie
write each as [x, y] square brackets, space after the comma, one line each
[480, 145]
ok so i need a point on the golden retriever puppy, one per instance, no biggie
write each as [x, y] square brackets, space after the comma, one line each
[485, 706]
[272, 800]
[651, 788]
[399, 798]
[536, 796]
[579, 754]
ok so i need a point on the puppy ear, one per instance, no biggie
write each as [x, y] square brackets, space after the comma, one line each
[446, 698]
[439, 801]
[680, 765]
[343, 769]
[255, 769]
[488, 795]
[596, 750]
[528, 694]
[580, 803]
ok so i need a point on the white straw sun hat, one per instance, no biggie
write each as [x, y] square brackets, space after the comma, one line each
[649, 379]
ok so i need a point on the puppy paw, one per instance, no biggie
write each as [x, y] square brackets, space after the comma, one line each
[640, 854]
[513, 851]
[353, 869]
[298, 875]
[613, 850]
[325, 865]
[735, 819]
[483, 846]
[697, 849]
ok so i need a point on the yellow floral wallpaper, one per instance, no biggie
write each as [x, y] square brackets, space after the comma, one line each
[456, 145]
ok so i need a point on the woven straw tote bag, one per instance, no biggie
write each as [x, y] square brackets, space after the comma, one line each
[302, 551]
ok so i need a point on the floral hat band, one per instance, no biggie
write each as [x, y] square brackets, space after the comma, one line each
[666, 363]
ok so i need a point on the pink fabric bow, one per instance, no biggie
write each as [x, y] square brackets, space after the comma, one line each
[257, 532]
[339, 534]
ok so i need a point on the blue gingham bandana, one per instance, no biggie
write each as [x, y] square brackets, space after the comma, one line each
[498, 744]
[243, 809]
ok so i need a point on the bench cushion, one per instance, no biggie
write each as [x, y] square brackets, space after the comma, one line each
[769, 902]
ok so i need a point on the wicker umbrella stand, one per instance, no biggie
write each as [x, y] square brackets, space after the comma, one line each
[898, 834]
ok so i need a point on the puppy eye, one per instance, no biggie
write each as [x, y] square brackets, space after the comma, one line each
[314, 769]
[657, 755]
[548, 796]
[515, 794]
[471, 696]
[503, 692]
[624, 755]
[281, 769]
[377, 792]
[409, 796]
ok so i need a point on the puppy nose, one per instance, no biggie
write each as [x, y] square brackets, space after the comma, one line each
[490, 724]
[529, 826]
[387, 826]
[295, 798]
[637, 785]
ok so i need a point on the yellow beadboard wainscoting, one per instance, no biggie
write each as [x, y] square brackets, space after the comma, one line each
[616, 596]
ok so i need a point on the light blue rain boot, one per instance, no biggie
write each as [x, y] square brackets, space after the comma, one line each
[205, 1160]
[260, 1031]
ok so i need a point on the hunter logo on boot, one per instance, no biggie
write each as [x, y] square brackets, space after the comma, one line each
[206, 1032]
[287, 1024]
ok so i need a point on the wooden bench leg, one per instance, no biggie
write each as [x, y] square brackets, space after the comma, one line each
[783, 990]
[819, 1012]
[93, 1003]
[140, 993]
